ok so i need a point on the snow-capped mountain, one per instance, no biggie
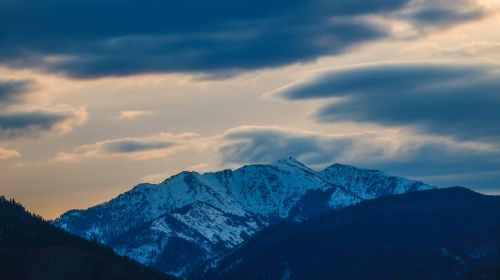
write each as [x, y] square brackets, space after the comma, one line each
[191, 217]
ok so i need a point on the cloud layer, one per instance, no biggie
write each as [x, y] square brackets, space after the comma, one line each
[18, 119]
[397, 152]
[131, 145]
[156, 146]
[462, 101]
[114, 38]
[404, 154]
[253, 144]
[431, 13]
[12, 91]
[33, 123]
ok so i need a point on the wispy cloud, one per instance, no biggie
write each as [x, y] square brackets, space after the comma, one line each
[8, 154]
[134, 114]
[443, 13]
[398, 152]
[13, 91]
[140, 148]
[21, 119]
[35, 122]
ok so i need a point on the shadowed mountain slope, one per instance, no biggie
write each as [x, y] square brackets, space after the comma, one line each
[435, 234]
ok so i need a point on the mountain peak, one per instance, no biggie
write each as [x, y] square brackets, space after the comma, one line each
[292, 162]
[340, 166]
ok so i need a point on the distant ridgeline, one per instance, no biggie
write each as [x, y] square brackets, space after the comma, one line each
[31, 248]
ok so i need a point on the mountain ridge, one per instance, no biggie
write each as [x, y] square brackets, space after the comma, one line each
[226, 207]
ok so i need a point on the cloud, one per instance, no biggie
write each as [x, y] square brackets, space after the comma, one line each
[32, 123]
[21, 119]
[132, 37]
[398, 153]
[444, 16]
[131, 145]
[8, 154]
[156, 146]
[458, 100]
[12, 91]
[134, 114]
[395, 151]
[431, 13]
[252, 144]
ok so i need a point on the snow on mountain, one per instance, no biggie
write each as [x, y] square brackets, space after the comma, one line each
[270, 190]
[369, 184]
[191, 217]
[218, 226]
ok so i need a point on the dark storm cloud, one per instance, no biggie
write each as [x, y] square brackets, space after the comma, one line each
[456, 100]
[11, 91]
[105, 38]
[32, 123]
[414, 157]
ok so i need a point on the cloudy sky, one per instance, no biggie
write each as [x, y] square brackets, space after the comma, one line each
[96, 96]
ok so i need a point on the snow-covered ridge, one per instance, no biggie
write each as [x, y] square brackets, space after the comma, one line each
[190, 217]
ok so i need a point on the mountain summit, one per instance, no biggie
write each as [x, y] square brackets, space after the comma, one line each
[190, 217]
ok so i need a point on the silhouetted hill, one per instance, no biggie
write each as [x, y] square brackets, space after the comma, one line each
[31, 248]
[436, 234]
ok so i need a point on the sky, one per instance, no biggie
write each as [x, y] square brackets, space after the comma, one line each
[97, 96]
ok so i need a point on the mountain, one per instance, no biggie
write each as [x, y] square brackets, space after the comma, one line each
[191, 217]
[449, 233]
[31, 248]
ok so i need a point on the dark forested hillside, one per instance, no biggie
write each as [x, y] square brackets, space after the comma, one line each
[31, 248]
[438, 234]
